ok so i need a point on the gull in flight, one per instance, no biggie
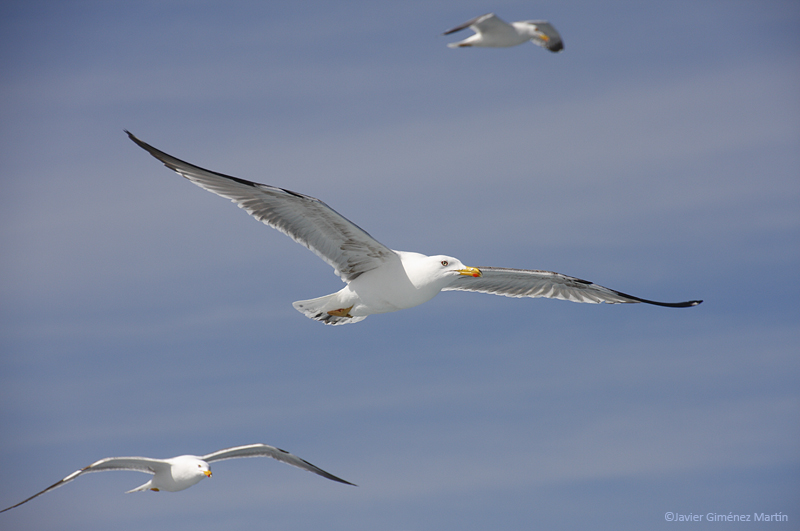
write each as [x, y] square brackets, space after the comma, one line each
[491, 31]
[179, 473]
[379, 280]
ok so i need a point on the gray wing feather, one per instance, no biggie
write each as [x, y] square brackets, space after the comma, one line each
[140, 464]
[534, 283]
[464, 25]
[265, 450]
[342, 244]
[487, 22]
[491, 23]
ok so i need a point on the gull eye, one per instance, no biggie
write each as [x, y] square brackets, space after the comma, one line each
[444, 262]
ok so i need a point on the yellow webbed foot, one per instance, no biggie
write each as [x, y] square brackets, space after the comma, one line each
[341, 312]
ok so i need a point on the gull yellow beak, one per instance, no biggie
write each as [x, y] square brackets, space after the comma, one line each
[470, 272]
[207, 473]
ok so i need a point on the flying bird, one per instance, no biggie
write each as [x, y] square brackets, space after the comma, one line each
[183, 471]
[491, 31]
[379, 280]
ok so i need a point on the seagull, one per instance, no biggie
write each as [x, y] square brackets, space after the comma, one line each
[379, 280]
[183, 471]
[491, 31]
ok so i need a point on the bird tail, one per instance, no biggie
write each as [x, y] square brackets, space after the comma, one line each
[319, 308]
[141, 488]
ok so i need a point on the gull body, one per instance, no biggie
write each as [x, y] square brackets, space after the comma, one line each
[181, 472]
[173, 475]
[401, 283]
[379, 279]
[493, 32]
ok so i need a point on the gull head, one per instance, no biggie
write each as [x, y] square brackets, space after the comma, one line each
[438, 270]
[188, 470]
[448, 266]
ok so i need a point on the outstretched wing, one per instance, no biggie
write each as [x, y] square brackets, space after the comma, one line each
[341, 243]
[547, 36]
[265, 450]
[531, 283]
[484, 23]
[140, 464]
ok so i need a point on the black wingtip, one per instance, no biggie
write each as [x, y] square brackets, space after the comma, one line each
[138, 142]
[685, 304]
[157, 153]
[330, 476]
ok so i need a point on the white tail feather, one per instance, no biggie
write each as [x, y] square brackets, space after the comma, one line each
[318, 308]
[141, 488]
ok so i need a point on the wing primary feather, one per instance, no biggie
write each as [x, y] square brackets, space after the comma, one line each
[684, 304]
[140, 464]
[265, 450]
[534, 283]
[465, 24]
[345, 246]
[48, 489]
[175, 166]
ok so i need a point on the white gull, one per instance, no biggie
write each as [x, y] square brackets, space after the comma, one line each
[183, 471]
[379, 280]
[493, 32]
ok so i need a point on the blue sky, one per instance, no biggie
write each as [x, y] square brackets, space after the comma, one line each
[659, 155]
